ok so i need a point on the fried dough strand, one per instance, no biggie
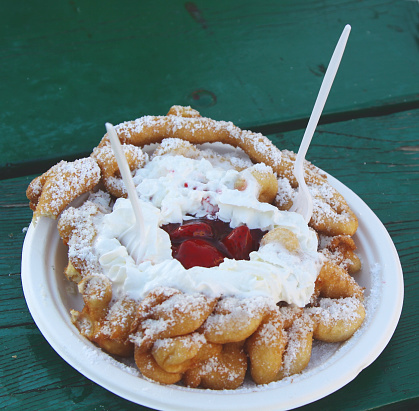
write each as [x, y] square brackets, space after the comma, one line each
[224, 371]
[336, 320]
[341, 250]
[180, 314]
[334, 282]
[108, 325]
[234, 320]
[150, 369]
[108, 164]
[298, 351]
[265, 348]
[181, 353]
[77, 230]
[51, 192]
[332, 216]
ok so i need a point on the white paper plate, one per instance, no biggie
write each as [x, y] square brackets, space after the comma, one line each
[50, 297]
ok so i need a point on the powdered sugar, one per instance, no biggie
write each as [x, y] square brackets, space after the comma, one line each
[65, 183]
[94, 354]
[233, 310]
[324, 200]
[215, 365]
[152, 126]
[327, 202]
[299, 337]
[190, 341]
[334, 310]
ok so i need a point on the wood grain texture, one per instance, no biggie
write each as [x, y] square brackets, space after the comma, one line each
[378, 158]
[70, 66]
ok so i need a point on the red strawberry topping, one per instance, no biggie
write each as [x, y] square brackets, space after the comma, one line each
[239, 243]
[193, 229]
[200, 253]
[206, 242]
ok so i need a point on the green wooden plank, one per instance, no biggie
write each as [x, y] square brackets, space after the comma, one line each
[378, 158]
[68, 67]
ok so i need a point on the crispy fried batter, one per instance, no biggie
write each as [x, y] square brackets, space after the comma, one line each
[337, 320]
[150, 369]
[283, 236]
[265, 348]
[50, 193]
[108, 164]
[181, 353]
[205, 341]
[179, 314]
[234, 320]
[334, 282]
[341, 250]
[223, 371]
[298, 351]
[111, 331]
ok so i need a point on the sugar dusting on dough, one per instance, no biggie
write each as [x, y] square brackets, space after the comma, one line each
[66, 183]
[173, 124]
[259, 142]
[324, 197]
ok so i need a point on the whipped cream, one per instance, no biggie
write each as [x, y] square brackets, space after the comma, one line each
[174, 188]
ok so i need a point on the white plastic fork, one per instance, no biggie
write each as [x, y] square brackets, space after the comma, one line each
[303, 202]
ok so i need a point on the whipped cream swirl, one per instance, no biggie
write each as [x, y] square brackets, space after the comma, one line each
[174, 188]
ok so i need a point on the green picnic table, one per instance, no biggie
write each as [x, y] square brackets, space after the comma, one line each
[68, 67]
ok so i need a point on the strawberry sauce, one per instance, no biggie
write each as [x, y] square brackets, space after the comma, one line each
[205, 243]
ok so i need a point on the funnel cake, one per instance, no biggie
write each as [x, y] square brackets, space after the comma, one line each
[228, 278]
